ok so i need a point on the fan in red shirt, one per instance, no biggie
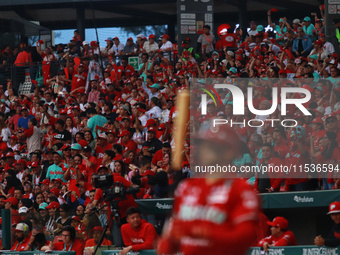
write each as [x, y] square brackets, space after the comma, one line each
[101, 145]
[137, 234]
[124, 69]
[212, 215]
[126, 142]
[96, 232]
[280, 236]
[166, 148]
[79, 80]
[69, 243]
[22, 236]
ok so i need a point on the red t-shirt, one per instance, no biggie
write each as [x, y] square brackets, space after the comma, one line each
[91, 242]
[77, 246]
[78, 81]
[20, 246]
[141, 238]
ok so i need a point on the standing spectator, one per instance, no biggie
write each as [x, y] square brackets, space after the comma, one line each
[308, 27]
[94, 121]
[302, 45]
[33, 136]
[23, 121]
[206, 42]
[166, 47]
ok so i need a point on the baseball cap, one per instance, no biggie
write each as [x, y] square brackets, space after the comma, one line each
[22, 227]
[152, 36]
[152, 129]
[296, 21]
[282, 71]
[45, 182]
[85, 43]
[83, 143]
[334, 207]
[13, 137]
[65, 147]
[23, 209]
[140, 36]
[317, 120]
[109, 39]
[150, 122]
[155, 85]
[76, 218]
[165, 36]
[63, 111]
[59, 153]
[35, 164]
[52, 205]
[115, 38]
[233, 70]
[102, 136]
[58, 180]
[24, 108]
[306, 18]
[148, 173]
[124, 133]
[130, 39]
[55, 191]
[97, 228]
[259, 28]
[230, 53]
[279, 222]
[10, 155]
[11, 200]
[43, 206]
[76, 146]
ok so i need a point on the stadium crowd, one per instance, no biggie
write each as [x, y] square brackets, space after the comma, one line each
[91, 113]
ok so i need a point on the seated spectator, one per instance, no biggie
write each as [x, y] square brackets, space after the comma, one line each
[22, 236]
[280, 235]
[334, 237]
[137, 234]
[69, 242]
[96, 233]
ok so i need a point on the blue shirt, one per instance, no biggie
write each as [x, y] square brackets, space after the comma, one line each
[23, 122]
[56, 172]
[96, 120]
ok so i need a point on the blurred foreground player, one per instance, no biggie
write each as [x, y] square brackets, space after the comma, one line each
[334, 238]
[216, 215]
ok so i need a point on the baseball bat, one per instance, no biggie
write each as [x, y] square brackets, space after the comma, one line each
[180, 127]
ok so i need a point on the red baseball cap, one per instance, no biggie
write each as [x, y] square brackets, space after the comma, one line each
[76, 218]
[13, 137]
[76, 107]
[65, 147]
[55, 191]
[334, 207]
[10, 155]
[148, 173]
[45, 182]
[279, 222]
[150, 122]
[52, 205]
[282, 71]
[98, 228]
[152, 129]
[58, 180]
[152, 36]
[63, 111]
[35, 164]
[124, 132]
[11, 200]
[317, 120]
[115, 38]
[83, 143]
[165, 36]
[130, 39]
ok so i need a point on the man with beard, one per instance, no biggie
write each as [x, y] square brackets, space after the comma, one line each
[21, 233]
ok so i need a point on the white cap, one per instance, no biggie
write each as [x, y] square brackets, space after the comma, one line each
[296, 21]
[23, 209]
[140, 36]
[230, 53]
[22, 227]
[85, 43]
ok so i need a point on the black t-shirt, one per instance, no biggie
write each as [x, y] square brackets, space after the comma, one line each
[63, 135]
[154, 145]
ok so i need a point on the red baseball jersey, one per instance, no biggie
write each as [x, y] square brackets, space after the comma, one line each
[286, 239]
[224, 211]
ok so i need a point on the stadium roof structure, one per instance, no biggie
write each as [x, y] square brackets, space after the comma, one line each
[67, 14]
